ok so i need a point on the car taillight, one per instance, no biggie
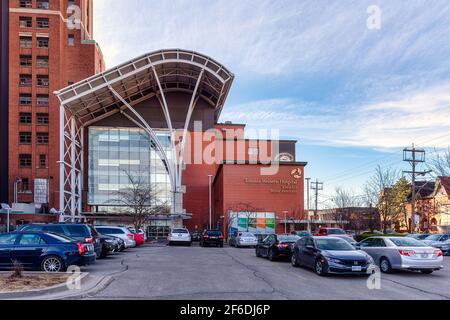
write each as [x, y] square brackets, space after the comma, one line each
[438, 253]
[205, 236]
[220, 237]
[81, 249]
[88, 240]
[131, 236]
[406, 253]
[283, 245]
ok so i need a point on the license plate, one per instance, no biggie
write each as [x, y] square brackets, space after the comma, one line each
[213, 237]
[424, 256]
[356, 269]
[89, 248]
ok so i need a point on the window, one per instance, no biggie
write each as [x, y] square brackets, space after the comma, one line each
[42, 4]
[8, 238]
[26, 42]
[25, 137]
[42, 118]
[42, 100]
[26, 61]
[25, 184]
[42, 161]
[25, 4]
[42, 138]
[24, 99]
[42, 42]
[42, 62]
[31, 240]
[71, 40]
[24, 161]
[25, 80]
[42, 23]
[25, 22]
[54, 229]
[25, 118]
[42, 81]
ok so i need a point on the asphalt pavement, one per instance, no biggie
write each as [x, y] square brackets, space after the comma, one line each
[162, 272]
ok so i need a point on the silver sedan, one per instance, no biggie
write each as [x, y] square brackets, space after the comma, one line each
[245, 239]
[402, 254]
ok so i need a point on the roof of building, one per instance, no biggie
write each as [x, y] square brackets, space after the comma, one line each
[424, 190]
[445, 183]
[143, 78]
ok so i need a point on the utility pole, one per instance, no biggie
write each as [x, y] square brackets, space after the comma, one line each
[316, 186]
[307, 193]
[415, 157]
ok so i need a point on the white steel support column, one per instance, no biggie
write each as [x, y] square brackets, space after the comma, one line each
[73, 175]
[61, 160]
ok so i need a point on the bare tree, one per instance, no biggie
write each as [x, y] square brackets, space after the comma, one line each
[343, 202]
[140, 200]
[440, 163]
[380, 186]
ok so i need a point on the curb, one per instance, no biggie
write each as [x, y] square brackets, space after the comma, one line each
[39, 292]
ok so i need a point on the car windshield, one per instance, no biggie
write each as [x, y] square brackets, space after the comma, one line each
[334, 244]
[214, 233]
[349, 240]
[407, 242]
[288, 238]
[180, 231]
[434, 237]
[247, 235]
[78, 231]
[336, 231]
[110, 230]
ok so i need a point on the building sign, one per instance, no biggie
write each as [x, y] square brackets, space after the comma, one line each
[257, 223]
[40, 191]
[280, 186]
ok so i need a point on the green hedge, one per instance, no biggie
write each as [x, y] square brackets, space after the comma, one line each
[361, 237]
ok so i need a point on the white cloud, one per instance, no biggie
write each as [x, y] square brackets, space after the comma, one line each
[421, 117]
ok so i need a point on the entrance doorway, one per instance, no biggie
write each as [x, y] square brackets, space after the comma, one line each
[159, 229]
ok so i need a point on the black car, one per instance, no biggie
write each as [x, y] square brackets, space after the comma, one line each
[212, 238]
[109, 245]
[43, 251]
[195, 236]
[81, 232]
[331, 255]
[302, 233]
[275, 246]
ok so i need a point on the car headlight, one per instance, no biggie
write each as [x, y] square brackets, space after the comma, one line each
[109, 241]
[333, 260]
[370, 260]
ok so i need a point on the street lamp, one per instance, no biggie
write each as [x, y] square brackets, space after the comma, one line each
[8, 212]
[285, 221]
[18, 180]
[210, 201]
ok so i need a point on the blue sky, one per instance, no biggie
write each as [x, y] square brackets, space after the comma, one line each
[353, 97]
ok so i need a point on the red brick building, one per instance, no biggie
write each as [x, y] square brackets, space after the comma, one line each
[49, 46]
[158, 117]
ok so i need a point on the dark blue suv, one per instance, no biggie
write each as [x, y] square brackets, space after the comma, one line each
[43, 251]
[81, 232]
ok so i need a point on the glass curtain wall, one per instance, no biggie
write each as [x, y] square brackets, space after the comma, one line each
[115, 154]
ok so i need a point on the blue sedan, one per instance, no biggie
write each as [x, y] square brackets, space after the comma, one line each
[331, 255]
[43, 251]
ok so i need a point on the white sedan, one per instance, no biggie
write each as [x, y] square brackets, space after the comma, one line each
[402, 253]
[246, 239]
[180, 236]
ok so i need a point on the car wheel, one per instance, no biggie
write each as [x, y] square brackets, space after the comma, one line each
[221, 245]
[104, 253]
[294, 260]
[426, 271]
[52, 264]
[320, 268]
[258, 254]
[385, 265]
[271, 255]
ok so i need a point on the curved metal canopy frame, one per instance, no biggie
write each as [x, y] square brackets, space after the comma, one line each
[121, 88]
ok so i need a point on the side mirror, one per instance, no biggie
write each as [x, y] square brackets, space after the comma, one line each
[357, 246]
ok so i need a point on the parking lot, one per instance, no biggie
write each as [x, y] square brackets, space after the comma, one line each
[161, 272]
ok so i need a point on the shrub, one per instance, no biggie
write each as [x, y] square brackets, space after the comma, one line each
[361, 237]
[17, 270]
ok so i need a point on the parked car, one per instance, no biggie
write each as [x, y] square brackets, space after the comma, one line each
[335, 232]
[274, 246]
[244, 239]
[138, 236]
[195, 236]
[80, 232]
[352, 241]
[418, 236]
[331, 255]
[212, 237]
[301, 233]
[109, 245]
[180, 236]
[444, 247]
[402, 253]
[44, 251]
[120, 232]
[436, 239]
